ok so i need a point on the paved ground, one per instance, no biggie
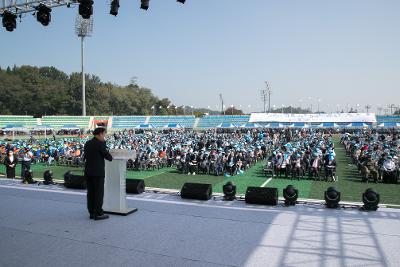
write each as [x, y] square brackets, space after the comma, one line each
[48, 226]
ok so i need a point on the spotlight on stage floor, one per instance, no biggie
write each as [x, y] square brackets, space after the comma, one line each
[28, 177]
[74, 181]
[144, 4]
[371, 199]
[48, 177]
[332, 198]
[229, 190]
[290, 193]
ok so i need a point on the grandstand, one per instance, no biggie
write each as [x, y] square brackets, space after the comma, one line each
[58, 122]
[17, 121]
[267, 120]
[214, 121]
[388, 121]
[162, 121]
[126, 122]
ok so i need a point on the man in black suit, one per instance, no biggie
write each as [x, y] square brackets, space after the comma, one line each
[95, 152]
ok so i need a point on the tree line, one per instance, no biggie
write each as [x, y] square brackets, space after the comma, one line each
[48, 91]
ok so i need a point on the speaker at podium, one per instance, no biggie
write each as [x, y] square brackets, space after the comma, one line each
[115, 183]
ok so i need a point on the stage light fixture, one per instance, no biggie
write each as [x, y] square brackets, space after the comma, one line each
[9, 20]
[48, 177]
[332, 198]
[290, 193]
[114, 7]
[86, 8]
[181, 1]
[144, 4]
[229, 190]
[371, 199]
[43, 14]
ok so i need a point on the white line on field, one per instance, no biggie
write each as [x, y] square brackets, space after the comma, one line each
[266, 182]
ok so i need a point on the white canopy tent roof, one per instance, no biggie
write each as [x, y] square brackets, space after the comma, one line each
[308, 118]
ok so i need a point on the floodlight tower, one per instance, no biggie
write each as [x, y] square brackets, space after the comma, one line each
[266, 95]
[83, 28]
[222, 104]
[368, 107]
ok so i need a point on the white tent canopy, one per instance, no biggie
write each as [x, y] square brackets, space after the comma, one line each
[16, 129]
[308, 118]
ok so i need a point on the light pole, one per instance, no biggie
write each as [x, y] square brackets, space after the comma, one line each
[319, 101]
[266, 95]
[367, 107]
[391, 107]
[83, 28]
[222, 104]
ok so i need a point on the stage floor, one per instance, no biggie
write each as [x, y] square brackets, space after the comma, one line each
[49, 226]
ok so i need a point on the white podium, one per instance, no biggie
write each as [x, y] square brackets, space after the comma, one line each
[115, 183]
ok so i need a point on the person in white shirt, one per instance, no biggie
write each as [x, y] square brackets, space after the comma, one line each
[26, 162]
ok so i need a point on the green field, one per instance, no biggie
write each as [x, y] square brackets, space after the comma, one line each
[349, 183]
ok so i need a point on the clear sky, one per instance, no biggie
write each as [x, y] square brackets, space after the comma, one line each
[340, 51]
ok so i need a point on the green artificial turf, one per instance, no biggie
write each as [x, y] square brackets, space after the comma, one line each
[350, 184]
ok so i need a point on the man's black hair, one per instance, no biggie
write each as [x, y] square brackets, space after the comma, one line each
[99, 130]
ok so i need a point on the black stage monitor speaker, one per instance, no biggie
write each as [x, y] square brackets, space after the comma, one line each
[196, 191]
[135, 186]
[262, 195]
[74, 181]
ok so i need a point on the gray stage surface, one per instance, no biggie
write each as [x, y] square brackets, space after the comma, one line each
[49, 226]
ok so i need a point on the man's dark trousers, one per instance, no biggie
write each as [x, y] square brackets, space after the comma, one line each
[26, 166]
[95, 193]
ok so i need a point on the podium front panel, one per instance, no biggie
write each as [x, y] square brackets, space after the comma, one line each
[115, 185]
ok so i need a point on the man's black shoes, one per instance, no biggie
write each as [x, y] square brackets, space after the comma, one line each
[101, 217]
[98, 217]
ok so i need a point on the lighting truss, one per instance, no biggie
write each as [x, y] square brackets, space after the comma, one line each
[27, 6]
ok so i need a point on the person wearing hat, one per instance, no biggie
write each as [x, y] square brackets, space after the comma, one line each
[26, 162]
[95, 151]
[10, 162]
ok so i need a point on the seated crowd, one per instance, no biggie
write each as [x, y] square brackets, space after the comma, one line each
[376, 155]
[194, 152]
[302, 154]
[290, 153]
